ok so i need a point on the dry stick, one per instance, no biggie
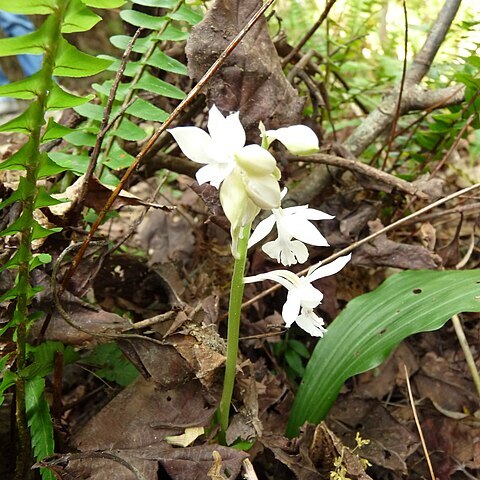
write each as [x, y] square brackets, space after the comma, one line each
[185, 102]
[400, 92]
[417, 423]
[457, 325]
[310, 33]
[104, 127]
[362, 168]
[355, 245]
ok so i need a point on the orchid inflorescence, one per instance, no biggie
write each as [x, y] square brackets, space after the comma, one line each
[248, 179]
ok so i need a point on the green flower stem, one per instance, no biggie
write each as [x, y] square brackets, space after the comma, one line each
[234, 310]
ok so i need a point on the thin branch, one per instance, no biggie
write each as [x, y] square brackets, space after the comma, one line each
[472, 367]
[417, 423]
[355, 245]
[400, 93]
[355, 165]
[185, 102]
[310, 33]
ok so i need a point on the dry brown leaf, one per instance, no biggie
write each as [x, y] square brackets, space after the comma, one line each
[251, 80]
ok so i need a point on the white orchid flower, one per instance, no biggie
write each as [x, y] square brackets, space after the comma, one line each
[298, 139]
[292, 223]
[216, 149]
[302, 296]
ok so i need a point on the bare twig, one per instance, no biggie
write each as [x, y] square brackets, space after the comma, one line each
[309, 34]
[355, 245]
[185, 102]
[457, 325]
[104, 127]
[359, 167]
[400, 93]
[417, 423]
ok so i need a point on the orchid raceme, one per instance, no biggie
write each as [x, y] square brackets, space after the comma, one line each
[302, 296]
[292, 223]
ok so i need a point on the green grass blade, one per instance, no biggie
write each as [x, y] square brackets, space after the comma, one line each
[372, 325]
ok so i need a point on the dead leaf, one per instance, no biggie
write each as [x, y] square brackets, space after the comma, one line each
[251, 80]
[186, 438]
[386, 253]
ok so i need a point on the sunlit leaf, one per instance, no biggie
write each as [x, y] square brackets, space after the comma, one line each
[140, 19]
[78, 18]
[145, 110]
[75, 163]
[104, 3]
[25, 89]
[152, 84]
[164, 62]
[59, 99]
[30, 7]
[186, 14]
[127, 130]
[71, 62]
[54, 130]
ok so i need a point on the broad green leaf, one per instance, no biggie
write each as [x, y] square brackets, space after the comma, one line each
[90, 110]
[18, 195]
[186, 14]
[25, 89]
[131, 68]
[41, 232]
[78, 18]
[25, 122]
[140, 46]
[372, 325]
[54, 130]
[118, 158]
[80, 139]
[71, 62]
[145, 110]
[30, 7]
[104, 3]
[48, 167]
[164, 62]
[44, 199]
[173, 34]
[19, 225]
[19, 159]
[152, 84]
[39, 422]
[140, 19]
[60, 99]
[35, 42]
[40, 259]
[105, 87]
[127, 130]
[75, 163]
[157, 3]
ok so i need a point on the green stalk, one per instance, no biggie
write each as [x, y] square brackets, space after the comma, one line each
[234, 311]
[24, 294]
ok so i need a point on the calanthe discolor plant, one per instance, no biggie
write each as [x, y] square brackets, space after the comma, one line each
[248, 179]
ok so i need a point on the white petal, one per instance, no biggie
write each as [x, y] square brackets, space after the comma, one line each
[309, 213]
[264, 191]
[255, 160]
[262, 230]
[291, 308]
[299, 139]
[320, 271]
[299, 227]
[233, 198]
[274, 250]
[311, 323]
[214, 173]
[299, 250]
[227, 133]
[310, 296]
[284, 277]
[194, 142]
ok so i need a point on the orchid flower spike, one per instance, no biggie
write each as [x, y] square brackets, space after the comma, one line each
[302, 296]
[292, 222]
